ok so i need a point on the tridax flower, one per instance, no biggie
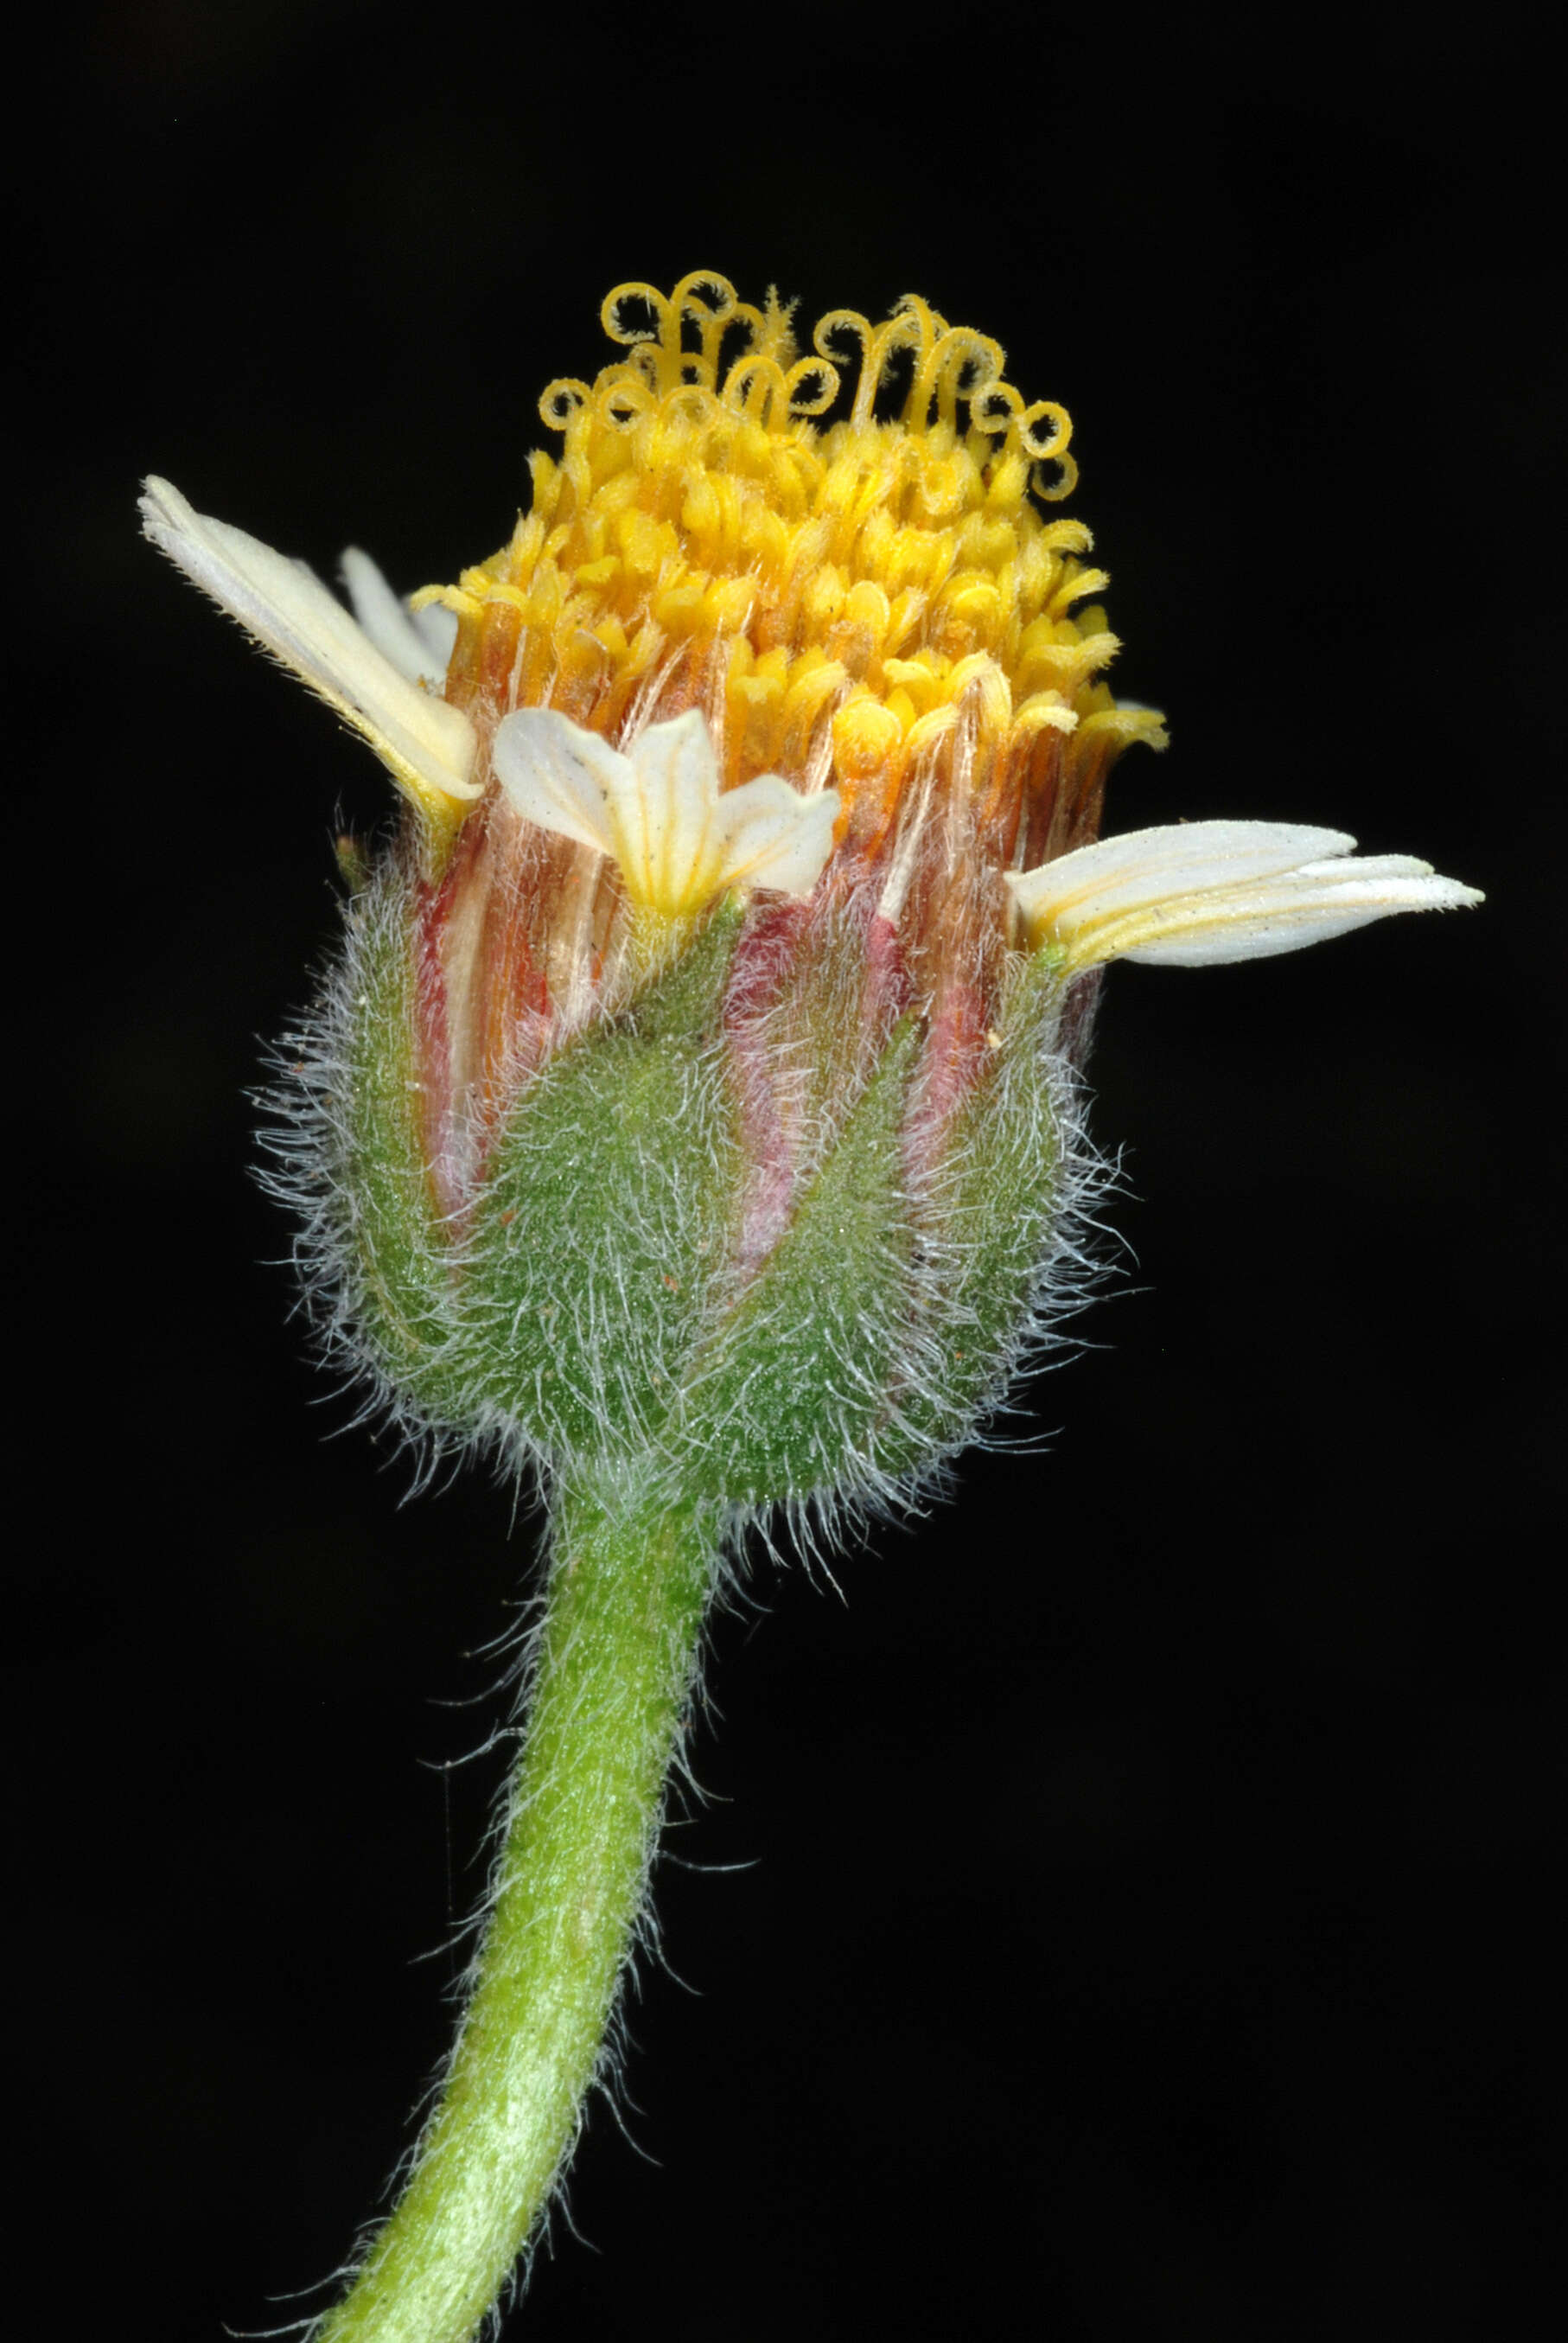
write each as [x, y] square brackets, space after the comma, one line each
[693, 1110]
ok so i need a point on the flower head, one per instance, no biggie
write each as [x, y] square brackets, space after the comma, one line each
[698, 1071]
[874, 604]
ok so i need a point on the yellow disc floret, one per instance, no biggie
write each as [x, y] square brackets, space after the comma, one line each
[876, 603]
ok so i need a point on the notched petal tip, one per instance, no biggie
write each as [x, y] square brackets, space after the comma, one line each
[775, 837]
[1195, 894]
[428, 747]
[557, 776]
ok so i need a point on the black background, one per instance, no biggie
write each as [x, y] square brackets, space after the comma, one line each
[1149, 1922]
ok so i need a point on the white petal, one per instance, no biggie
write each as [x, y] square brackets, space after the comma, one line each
[1144, 866]
[426, 746]
[1284, 914]
[559, 776]
[668, 842]
[776, 837]
[1368, 866]
[391, 627]
[1192, 894]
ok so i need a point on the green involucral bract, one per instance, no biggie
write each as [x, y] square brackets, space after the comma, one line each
[988, 1221]
[794, 1386]
[393, 1251]
[592, 1301]
[598, 1236]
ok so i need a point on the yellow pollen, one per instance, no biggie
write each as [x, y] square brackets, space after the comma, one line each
[856, 604]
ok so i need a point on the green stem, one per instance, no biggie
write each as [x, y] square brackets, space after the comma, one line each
[629, 1577]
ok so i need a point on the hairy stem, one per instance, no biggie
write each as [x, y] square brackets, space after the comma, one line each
[629, 1577]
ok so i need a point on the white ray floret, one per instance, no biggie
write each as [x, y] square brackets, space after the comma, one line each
[428, 747]
[1190, 894]
[656, 807]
